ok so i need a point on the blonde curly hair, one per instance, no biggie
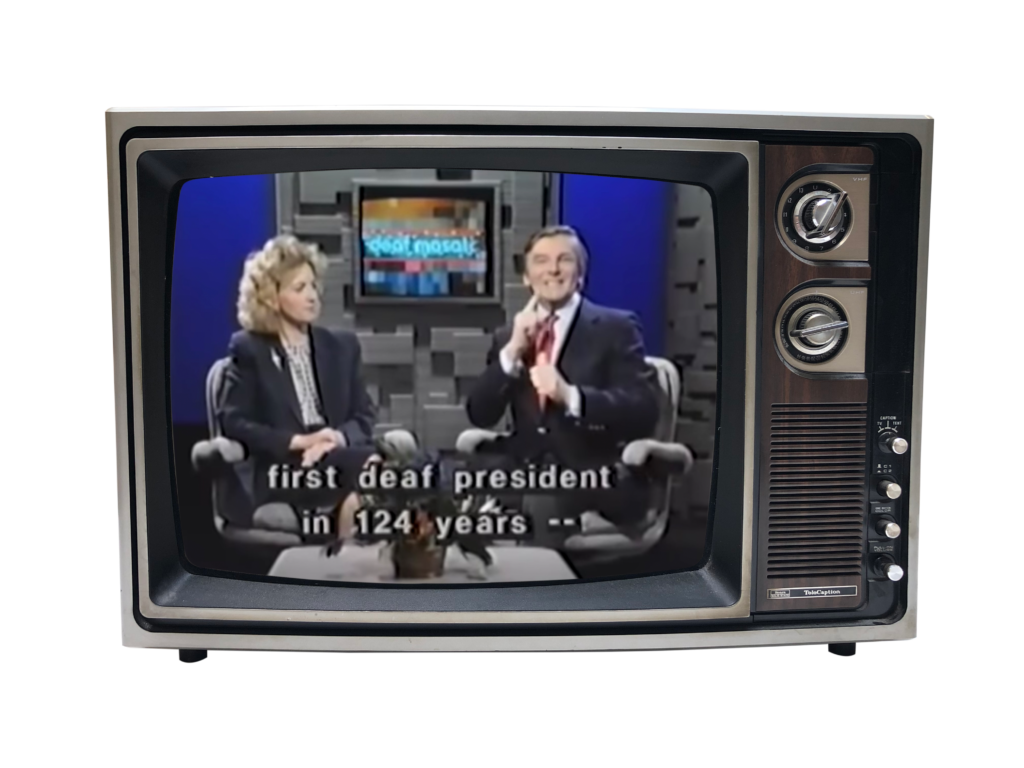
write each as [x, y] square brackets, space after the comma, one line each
[262, 277]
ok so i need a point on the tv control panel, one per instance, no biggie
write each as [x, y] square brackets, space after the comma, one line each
[890, 449]
[834, 430]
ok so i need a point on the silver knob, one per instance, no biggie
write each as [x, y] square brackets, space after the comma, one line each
[898, 445]
[816, 327]
[892, 572]
[888, 528]
[824, 214]
[890, 489]
[818, 215]
[885, 566]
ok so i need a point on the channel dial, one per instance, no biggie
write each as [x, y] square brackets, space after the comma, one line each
[816, 216]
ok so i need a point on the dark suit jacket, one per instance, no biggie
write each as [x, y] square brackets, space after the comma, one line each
[603, 356]
[259, 407]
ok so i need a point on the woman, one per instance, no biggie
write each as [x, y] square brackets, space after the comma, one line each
[293, 392]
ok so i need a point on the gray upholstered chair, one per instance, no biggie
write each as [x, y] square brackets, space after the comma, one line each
[599, 539]
[230, 471]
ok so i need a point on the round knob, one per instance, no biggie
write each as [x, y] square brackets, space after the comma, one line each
[811, 322]
[890, 489]
[885, 566]
[814, 215]
[888, 527]
[818, 215]
[813, 328]
[898, 445]
[890, 441]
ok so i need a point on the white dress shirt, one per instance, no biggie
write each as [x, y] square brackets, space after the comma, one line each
[565, 317]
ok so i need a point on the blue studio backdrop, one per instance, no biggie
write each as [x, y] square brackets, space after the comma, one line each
[625, 223]
[220, 222]
[626, 226]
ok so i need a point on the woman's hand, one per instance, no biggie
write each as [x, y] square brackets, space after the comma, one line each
[316, 445]
[301, 442]
[331, 435]
[325, 435]
[317, 451]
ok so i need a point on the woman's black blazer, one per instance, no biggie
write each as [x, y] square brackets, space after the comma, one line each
[258, 404]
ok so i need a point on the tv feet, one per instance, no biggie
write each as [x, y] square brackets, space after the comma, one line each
[839, 649]
[192, 655]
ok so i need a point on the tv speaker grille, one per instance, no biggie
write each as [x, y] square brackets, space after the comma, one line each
[817, 489]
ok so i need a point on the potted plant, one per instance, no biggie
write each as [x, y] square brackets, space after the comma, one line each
[414, 544]
[417, 552]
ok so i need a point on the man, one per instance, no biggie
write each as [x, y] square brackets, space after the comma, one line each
[572, 373]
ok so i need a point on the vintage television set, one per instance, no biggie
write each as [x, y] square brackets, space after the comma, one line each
[458, 379]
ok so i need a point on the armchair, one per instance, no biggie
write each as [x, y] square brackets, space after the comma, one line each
[224, 462]
[599, 540]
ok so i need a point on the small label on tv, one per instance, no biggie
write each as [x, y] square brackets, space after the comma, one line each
[794, 593]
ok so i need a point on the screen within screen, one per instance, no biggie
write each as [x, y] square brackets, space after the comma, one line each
[424, 246]
[324, 432]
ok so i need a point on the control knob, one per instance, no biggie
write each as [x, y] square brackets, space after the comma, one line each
[818, 328]
[893, 443]
[815, 215]
[897, 444]
[885, 566]
[819, 215]
[889, 489]
[888, 527]
[813, 328]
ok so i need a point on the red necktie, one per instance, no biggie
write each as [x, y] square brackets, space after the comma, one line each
[543, 347]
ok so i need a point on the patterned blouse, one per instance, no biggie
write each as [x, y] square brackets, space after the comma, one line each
[300, 363]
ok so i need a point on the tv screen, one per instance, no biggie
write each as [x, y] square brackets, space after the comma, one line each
[418, 442]
[425, 243]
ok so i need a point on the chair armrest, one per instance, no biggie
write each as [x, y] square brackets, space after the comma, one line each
[472, 440]
[669, 458]
[276, 516]
[398, 444]
[210, 457]
[256, 536]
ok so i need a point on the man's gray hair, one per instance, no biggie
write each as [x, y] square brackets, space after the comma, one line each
[560, 230]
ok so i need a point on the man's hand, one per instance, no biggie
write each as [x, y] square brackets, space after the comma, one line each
[549, 383]
[524, 328]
